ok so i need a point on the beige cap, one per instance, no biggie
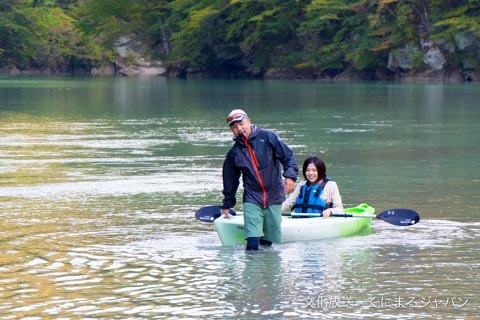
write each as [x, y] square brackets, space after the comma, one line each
[236, 115]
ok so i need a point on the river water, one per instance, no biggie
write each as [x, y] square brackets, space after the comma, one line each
[100, 179]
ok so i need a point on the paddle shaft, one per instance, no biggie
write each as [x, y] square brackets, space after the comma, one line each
[344, 215]
[398, 217]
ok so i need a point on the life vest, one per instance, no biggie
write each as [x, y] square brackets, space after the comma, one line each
[309, 200]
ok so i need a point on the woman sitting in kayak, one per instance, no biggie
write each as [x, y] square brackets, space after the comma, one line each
[317, 194]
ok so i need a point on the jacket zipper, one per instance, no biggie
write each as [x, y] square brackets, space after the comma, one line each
[253, 158]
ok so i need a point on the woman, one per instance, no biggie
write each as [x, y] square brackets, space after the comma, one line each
[317, 194]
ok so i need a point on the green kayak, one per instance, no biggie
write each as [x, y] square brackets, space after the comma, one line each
[231, 230]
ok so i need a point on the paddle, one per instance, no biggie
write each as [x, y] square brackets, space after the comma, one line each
[210, 213]
[398, 217]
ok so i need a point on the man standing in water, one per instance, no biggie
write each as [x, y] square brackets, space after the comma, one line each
[257, 155]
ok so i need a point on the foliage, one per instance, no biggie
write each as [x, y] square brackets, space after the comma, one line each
[52, 31]
[195, 40]
[41, 35]
[462, 18]
[239, 36]
[111, 21]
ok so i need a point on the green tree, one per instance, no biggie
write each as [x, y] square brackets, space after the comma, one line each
[267, 32]
[108, 21]
[340, 33]
[463, 17]
[16, 40]
[197, 32]
[237, 36]
[54, 35]
[40, 34]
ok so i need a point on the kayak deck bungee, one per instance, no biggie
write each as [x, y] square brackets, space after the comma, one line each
[231, 231]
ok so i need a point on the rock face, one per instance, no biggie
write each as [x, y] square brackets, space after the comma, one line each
[452, 61]
[11, 70]
[402, 59]
[131, 59]
[429, 61]
[434, 59]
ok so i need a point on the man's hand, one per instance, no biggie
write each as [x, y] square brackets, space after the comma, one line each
[289, 185]
[226, 213]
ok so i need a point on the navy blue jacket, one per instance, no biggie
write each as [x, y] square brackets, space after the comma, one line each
[263, 187]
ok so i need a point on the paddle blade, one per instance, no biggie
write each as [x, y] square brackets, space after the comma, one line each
[210, 213]
[400, 217]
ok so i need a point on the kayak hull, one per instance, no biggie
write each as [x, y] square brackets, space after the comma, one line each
[231, 231]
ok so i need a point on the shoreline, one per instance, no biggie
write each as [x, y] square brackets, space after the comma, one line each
[442, 76]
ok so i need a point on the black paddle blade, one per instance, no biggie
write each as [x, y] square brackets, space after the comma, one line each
[210, 213]
[400, 217]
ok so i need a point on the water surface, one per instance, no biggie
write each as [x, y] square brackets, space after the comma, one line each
[100, 178]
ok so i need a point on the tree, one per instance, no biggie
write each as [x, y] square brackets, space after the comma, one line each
[39, 34]
[108, 21]
[267, 32]
[239, 36]
[341, 33]
[16, 40]
[235, 36]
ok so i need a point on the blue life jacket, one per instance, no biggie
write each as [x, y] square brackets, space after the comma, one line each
[309, 200]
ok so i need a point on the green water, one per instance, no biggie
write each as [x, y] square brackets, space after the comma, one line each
[100, 177]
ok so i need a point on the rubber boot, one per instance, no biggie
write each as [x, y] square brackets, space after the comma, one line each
[265, 243]
[252, 243]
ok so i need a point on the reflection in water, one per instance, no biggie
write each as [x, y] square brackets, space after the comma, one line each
[255, 287]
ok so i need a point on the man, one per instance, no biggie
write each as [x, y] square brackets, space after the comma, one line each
[257, 156]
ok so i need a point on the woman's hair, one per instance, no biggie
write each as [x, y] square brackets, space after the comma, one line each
[319, 164]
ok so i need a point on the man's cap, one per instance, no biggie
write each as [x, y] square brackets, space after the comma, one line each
[236, 115]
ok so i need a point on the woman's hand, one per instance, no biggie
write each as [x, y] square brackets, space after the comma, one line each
[326, 213]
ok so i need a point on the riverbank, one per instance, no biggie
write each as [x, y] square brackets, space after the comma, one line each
[156, 69]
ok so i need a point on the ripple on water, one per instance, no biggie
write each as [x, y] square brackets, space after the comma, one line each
[139, 272]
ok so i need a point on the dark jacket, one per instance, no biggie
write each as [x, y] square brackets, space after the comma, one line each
[263, 187]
